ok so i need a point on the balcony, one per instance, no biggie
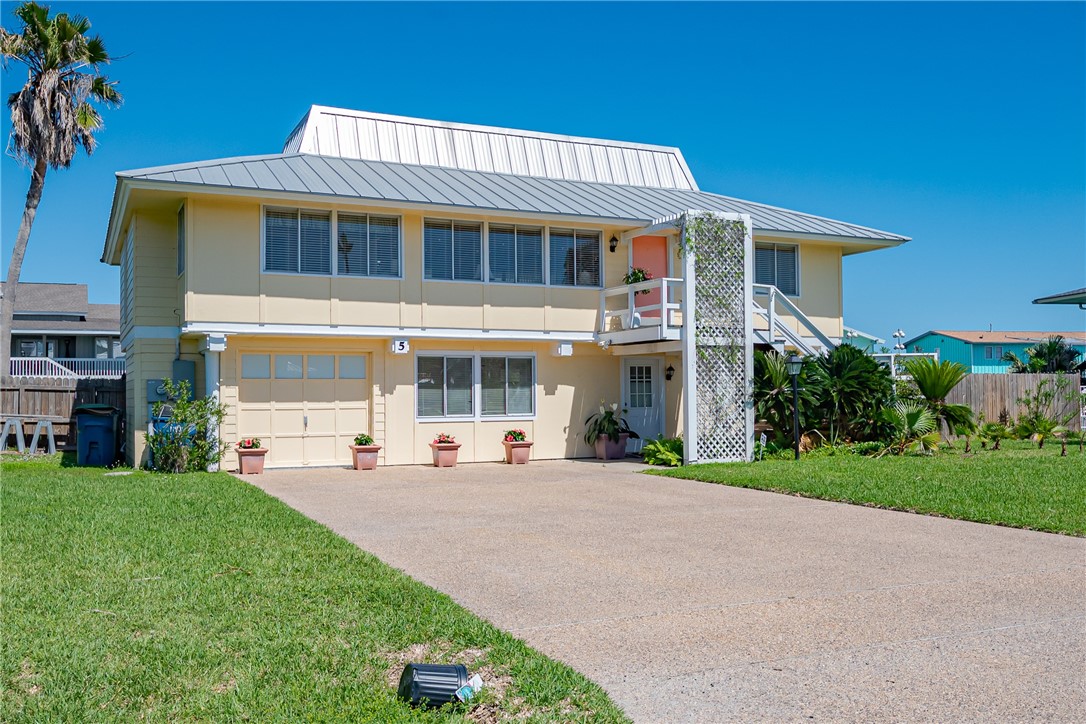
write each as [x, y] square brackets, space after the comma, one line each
[652, 311]
[649, 311]
[68, 368]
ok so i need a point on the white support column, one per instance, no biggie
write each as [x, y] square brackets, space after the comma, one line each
[748, 331]
[690, 367]
[212, 346]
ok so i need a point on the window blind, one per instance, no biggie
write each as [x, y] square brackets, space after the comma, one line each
[777, 264]
[316, 243]
[352, 245]
[280, 240]
[384, 246]
[444, 386]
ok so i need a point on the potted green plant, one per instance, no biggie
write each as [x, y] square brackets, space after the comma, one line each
[445, 449]
[518, 447]
[364, 452]
[608, 432]
[250, 456]
[637, 275]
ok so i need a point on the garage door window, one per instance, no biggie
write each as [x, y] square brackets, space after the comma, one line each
[320, 367]
[255, 366]
[288, 367]
[352, 367]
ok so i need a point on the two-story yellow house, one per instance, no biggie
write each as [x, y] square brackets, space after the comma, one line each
[405, 277]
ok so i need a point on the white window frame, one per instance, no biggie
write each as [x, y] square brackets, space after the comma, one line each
[799, 265]
[334, 228]
[547, 257]
[544, 257]
[477, 386]
[484, 251]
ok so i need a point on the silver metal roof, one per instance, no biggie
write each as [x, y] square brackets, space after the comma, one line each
[366, 136]
[429, 185]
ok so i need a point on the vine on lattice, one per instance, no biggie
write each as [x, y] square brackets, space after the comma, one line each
[718, 247]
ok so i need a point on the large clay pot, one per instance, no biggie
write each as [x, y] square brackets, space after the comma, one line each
[517, 452]
[365, 456]
[251, 462]
[608, 449]
[445, 454]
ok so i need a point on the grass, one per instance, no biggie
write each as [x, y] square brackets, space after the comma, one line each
[1018, 485]
[198, 597]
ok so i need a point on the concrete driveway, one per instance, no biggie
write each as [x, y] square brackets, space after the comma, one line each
[695, 602]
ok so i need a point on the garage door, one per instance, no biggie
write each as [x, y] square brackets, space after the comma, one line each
[305, 408]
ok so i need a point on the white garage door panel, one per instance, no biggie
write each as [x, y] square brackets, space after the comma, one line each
[303, 421]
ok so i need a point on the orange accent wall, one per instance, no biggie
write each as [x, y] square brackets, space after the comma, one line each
[650, 254]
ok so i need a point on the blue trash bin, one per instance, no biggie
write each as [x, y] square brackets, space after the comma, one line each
[96, 435]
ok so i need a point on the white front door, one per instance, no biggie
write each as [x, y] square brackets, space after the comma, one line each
[642, 396]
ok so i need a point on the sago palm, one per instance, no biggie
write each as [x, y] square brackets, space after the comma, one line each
[773, 392]
[935, 380]
[52, 115]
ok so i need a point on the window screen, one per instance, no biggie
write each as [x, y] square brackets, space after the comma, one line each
[453, 250]
[575, 257]
[777, 264]
[515, 254]
[444, 386]
[507, 385]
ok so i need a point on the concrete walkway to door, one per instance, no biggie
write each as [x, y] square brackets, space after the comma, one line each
[695, 602]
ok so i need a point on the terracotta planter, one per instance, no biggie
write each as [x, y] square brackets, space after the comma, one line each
[445, 454]
[517, 452]
[364, 456]
[251, 462]
[608, 449]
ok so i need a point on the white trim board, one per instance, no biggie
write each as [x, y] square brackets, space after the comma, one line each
[319, 330]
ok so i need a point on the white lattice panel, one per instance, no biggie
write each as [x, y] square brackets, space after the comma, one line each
[718, 334]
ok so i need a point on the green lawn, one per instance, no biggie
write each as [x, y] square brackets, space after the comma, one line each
[1017, 486]
[198, 597]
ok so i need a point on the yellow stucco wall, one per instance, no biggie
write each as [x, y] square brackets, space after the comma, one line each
[568, 389]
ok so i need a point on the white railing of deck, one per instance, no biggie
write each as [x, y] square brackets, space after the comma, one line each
[67, 367]
[669, 306]
[776, 326]
[896, 361]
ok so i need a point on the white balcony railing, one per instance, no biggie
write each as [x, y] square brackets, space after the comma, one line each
[648, 311]
[67, 367]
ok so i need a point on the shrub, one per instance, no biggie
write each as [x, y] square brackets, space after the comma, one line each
[515, 435]
[664, 451]
[189, 442]
[363, 439]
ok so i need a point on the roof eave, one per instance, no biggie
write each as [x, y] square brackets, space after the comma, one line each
[116, 217]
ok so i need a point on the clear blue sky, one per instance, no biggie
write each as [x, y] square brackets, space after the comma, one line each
[960, 125]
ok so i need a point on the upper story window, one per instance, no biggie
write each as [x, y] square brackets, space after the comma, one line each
[367, 245]
[299, 241]
[777, 264]
[575, 258]
[181, 241]
[453, 250]
[995, 353]
[515, 254]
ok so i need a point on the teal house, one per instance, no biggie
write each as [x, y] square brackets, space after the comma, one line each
[982, 351]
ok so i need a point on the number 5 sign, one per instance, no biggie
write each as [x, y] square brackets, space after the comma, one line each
[401, 346]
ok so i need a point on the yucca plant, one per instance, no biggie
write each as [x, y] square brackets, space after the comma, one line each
[914, 428]
[935, 381]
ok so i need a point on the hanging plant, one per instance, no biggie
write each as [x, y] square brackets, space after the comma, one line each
[637, 275]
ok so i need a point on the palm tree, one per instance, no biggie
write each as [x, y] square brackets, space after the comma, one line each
[854, 389]
[52, 115]
[1051, 355]
[773, 393]
[935, 380]
[914, 428]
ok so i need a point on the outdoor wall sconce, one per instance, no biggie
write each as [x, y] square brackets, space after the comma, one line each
[614, 243]
[669, 373]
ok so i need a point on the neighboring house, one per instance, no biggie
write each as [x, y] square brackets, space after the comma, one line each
[57, 333]
[862, 340]
[1075, 296]
[405, 277]
[982, 351]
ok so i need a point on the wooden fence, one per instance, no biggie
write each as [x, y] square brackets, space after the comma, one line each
[58, 397]
[994, 394]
